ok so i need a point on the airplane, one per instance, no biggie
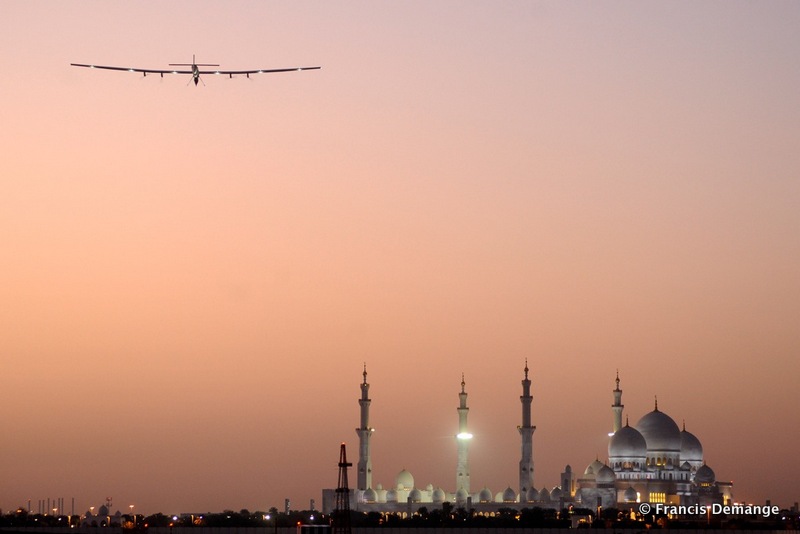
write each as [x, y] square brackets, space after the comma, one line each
[195, 71]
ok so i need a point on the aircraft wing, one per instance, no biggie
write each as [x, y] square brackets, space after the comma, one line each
[131, 69]
[255, 71]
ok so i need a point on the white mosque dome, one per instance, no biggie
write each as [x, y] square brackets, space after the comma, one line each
[379, 487]
[660, 432]
[685, 466]
[627, 442]
[429, 488]
[461, 495]
[594, 467]
[391, 495]
[485, 495]
[404, 481]
[691, 449]
[556, 494]
[544, 495]
[438, 495]
[370, 495]
[630, 494]
[605, 476]
[705, 475]
[415, 495]
[533, 495]
[509, 495]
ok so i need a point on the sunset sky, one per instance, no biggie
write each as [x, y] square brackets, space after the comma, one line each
[192, 277]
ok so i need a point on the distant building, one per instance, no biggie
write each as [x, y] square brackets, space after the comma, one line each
[654, 462]
[103, 518]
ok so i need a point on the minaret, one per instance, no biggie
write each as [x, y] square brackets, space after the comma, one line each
[462, 438]
[364, 433]
[526, 432]
[617, 408]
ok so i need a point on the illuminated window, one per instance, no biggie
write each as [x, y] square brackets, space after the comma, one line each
[658, 497]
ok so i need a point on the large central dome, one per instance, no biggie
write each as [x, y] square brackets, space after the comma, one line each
[660, 432]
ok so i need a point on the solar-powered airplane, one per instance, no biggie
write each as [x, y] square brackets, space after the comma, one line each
[195, 70]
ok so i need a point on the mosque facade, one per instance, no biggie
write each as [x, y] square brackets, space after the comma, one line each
[654, 461]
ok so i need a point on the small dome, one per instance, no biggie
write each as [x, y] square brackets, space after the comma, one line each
[415, 495]
[404, 481]
[461, 495]
[544, 495]
[509, 495]
[370, 495]
[533, 495]
[485, 495]
[627, 442]
[691, 449]
[705, 475]
[391, 495]
[438, 495]
[593, 467]
[630, 494]
[686, 467]
[605, 476]
[379, 487]
[103, 510]
[556, 494]
[660, 432]
[429, 487]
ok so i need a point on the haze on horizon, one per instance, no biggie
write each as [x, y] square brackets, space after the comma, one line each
[194, 276]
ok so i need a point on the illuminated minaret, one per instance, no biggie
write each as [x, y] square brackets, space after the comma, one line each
[364, 433]
[617, 408]
[526, 432]
[463, 437]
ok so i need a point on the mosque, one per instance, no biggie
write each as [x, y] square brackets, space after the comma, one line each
[654, 461]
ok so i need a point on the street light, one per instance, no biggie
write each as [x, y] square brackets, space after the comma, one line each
[268, 516]
[134, 517]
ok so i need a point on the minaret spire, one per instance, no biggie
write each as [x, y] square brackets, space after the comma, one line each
[617, 407]
[463, 437]
[656, 397]
[526, 433]
[364, 434]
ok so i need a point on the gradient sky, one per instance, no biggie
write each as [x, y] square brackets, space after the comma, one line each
[192, 277]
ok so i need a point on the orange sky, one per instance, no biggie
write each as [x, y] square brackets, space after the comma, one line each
[193, 276]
